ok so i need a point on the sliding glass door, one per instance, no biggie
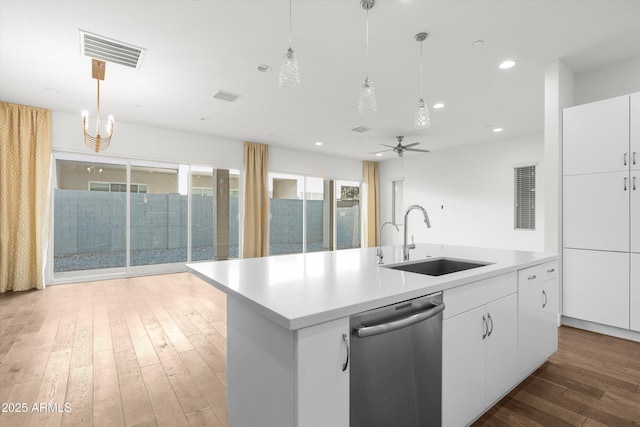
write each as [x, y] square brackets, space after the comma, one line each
[117, 217]
[158, 215]
[89, 216]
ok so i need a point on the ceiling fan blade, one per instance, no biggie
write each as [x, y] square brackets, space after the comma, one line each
[390, 146]
[413, 144]
[376, 152]
[418, 149]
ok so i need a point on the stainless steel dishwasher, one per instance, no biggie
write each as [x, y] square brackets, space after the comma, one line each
[396, 365]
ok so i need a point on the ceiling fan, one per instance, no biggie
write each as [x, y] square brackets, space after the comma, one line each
[400, 149]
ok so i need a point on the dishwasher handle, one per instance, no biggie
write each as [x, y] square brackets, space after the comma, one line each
[368, 331]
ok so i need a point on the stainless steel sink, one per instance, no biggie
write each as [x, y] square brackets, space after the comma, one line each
[439, 266]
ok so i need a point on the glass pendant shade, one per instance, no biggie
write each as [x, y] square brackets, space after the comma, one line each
[367, 104]
[422, 120]
[289, 72]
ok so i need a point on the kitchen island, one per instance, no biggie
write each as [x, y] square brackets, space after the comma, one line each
[288, 326]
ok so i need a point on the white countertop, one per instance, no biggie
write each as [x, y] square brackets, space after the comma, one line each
[302, 290]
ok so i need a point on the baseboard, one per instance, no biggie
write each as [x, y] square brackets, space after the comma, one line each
[601, 329]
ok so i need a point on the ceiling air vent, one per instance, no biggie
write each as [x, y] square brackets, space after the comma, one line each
[223, 95]
[360, 129]
[109, 50]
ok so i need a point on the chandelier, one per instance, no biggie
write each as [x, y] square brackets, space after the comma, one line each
[97, 143]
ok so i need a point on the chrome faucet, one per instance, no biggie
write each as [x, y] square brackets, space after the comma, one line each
[379, 253]
[405, 247]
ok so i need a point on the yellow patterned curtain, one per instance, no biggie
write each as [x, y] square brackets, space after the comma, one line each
[371, 172]
[256, 200]
[25, 159]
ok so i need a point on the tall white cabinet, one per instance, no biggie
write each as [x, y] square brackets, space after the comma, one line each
[601, 212]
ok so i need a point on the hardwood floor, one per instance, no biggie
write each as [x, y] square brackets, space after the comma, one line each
[592, 380]
[152, 351]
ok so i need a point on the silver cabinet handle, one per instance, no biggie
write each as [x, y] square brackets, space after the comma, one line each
[625, 183]
[533, 276]
[491, 320]
[551, 270]
[418, 317]
[633, 184]
[485, 327]
[625, 159]
[633, 158]
[346, 343]
[544, 304]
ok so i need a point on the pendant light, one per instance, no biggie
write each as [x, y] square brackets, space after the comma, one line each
[289, 72]
[422, 120]
[367, 103]
[97, 143]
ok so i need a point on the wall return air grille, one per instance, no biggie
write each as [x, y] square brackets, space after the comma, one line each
[110, 50]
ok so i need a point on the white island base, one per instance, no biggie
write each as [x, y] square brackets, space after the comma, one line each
[286, 346]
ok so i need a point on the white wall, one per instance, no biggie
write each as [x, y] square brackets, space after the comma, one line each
[143, 142]
[619, 78]
[468, 193]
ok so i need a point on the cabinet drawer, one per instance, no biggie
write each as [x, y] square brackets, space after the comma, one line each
[538, 273]
[467, 297]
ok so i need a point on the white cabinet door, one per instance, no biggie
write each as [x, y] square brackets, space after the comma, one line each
[537, 317]
[596, 286]
[596, 137]
[635, 210]
[501, 347]
[322, 385]
[463, 367]
[596, 211]
[634, 126]
[635, 292]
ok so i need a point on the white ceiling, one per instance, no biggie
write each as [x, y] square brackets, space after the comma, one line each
[195, 48]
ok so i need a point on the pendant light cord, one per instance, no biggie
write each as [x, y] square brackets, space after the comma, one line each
[98, 105]
[421, 70]
[367, 37]
[290, 23]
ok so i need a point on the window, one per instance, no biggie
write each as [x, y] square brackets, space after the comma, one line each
[525, 197]
[396, 202]
[117, 216]
[348, 214]
[117, 187]
[286, 213]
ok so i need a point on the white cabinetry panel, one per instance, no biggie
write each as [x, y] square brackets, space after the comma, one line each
[634, 136]
[596, 137]
[501, 347]
[634, 202]
[463, 368]
[635, 292]
[322, 385]
[596, 286]
[596, 211]
[537, 315]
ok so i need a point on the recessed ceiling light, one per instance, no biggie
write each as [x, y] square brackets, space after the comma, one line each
[318, 143]
[378, 154]
[438, 105]
[478, 43]
[496, 130]
[507, 64]
[263, 68]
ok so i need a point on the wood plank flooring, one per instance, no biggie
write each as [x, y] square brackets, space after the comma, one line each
[151, 351]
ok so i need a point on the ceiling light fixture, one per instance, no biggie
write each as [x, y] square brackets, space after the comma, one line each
[97, 143]
[318, 143]
[505, 65]
[422, 120]
[289, 72]
[367, 103]
[496, 130]
[438, 105]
